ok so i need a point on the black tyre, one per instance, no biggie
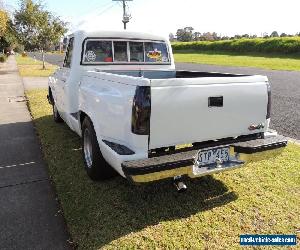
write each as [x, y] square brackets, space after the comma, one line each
[96, 166]
[56, 116]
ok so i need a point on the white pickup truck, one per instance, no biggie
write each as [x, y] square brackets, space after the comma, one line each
[140, 117]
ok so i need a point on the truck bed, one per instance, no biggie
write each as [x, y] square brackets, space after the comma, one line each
[191, 106]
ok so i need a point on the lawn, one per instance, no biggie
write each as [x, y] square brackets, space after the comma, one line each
[261, 198]
[31, 67]
[271, 61]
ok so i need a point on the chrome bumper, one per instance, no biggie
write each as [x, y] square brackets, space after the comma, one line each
[183, 163]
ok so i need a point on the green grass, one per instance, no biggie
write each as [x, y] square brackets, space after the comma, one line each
[261, 198]
[30, 67]
[271, 61]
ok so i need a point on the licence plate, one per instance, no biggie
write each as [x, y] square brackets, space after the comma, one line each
[211, 156]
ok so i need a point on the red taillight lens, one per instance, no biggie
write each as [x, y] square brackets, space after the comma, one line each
[269, 101]
[141, 110]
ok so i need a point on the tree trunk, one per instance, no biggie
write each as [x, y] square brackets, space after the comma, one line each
[43, 58]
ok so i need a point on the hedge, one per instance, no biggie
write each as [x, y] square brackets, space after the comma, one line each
[286, 45]
[2, 57]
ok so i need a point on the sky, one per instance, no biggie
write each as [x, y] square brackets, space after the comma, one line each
[226, 17]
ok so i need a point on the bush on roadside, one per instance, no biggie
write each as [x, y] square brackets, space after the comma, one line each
[24, 54]
[19, 49]
[2, 58]
[284, 45]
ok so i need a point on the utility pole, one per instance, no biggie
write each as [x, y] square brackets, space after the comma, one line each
[126, 16]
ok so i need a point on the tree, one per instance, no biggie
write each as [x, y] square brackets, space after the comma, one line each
[10, 39]
[197, 36]
[185, 34]
[8, 35]
[208, 36]
[283, 35]
[36, 27]
[265, 35]
[3, 22]
[171, 37]
[245, 36]
[274, 34]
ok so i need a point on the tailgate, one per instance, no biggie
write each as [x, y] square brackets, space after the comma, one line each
[201, 109]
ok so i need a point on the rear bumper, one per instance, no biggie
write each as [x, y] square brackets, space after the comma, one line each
[183, 163]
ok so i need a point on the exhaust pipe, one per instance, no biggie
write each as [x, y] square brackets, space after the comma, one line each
[179, 184]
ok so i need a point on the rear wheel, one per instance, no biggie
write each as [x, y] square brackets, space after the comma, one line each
[96, 166]
[56, 116]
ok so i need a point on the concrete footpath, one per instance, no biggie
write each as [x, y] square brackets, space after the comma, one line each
[29, 213]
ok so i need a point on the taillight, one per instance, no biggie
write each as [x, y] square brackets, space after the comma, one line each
[269, 101]
[141, 110]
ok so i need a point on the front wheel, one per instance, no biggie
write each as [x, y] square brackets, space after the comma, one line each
[95, 165]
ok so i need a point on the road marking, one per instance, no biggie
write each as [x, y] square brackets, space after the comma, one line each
[19, 165]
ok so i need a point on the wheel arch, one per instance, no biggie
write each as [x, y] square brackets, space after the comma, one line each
[82, 116]
[50, 96]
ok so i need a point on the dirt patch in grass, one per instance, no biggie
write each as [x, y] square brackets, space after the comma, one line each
[261, 198]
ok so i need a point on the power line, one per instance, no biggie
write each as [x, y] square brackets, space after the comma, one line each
[105, 10]
[98, 13]
[95, 6]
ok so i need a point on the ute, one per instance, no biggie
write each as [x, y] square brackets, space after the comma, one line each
[141, 118]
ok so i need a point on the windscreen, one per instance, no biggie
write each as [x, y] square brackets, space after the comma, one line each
[110, 51]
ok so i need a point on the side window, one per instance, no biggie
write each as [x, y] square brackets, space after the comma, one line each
[98, 51]
[68, 58]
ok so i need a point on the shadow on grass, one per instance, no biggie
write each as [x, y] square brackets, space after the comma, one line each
[252, 54]
[99, 212]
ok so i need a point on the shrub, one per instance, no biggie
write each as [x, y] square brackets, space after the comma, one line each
[2, 57]
[286, 45]
[19, 49]
[24, 54]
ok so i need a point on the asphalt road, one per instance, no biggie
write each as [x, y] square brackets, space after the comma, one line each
[285, 115]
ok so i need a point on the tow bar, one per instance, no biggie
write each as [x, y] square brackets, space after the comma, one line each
[179, 184]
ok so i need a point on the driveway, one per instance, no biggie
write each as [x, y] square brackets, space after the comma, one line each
[285, 115]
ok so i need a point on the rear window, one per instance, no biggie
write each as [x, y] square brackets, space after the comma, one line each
[156, 52]
[120, 52]
[98, 51]
[136, 51]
